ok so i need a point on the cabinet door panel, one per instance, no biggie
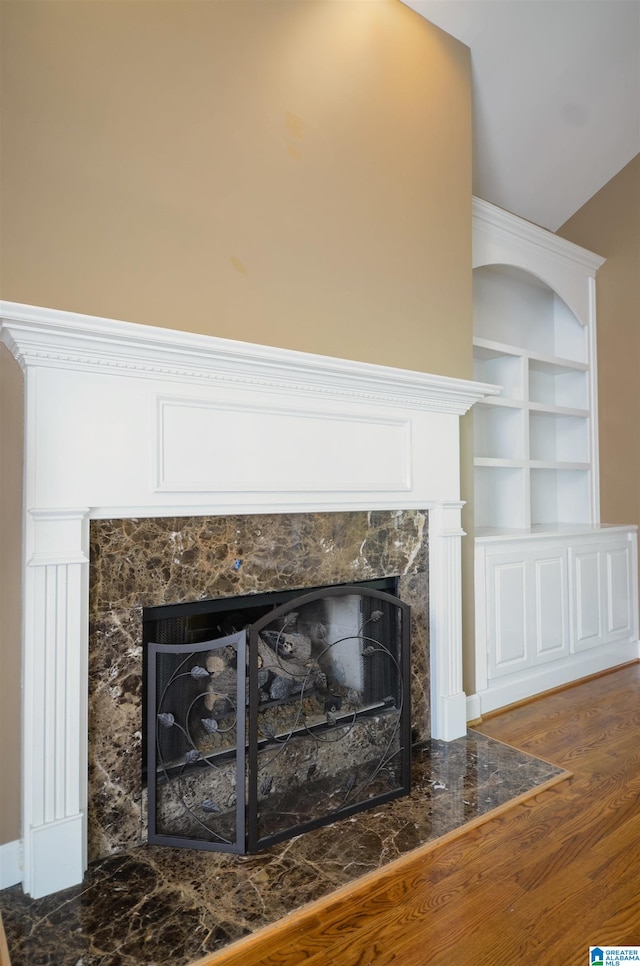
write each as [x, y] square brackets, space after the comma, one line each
[588, 600]
[508, 614]
[619, 591]
[549, 573]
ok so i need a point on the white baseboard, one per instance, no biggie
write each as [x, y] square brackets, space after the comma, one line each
[505, 691]
[473, 707]
[10, 864]
[55, 856]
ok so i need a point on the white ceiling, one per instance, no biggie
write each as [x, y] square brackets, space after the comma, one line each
[556, 90]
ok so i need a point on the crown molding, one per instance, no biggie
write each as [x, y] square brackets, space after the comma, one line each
[488, 217]
[50, 338]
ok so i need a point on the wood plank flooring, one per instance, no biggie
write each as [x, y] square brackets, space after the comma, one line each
[4, 949]
[540, 882]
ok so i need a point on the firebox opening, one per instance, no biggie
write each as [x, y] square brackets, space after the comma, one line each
[272, 714]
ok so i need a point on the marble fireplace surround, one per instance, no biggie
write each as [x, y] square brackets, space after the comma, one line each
[167, 560]
[124, 421]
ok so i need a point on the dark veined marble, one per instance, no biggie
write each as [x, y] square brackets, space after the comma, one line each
[165, 906]
[137, 563]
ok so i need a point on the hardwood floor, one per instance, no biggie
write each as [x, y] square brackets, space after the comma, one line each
[4, 949]
[540, 882]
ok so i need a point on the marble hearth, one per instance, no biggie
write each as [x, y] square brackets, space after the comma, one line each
[131, 422]
[154, 905]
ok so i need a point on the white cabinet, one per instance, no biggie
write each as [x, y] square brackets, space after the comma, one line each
[604, 599]
[556, 594]
[527, 607]
[552, 609]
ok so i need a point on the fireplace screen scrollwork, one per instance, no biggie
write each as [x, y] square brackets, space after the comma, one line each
[292, 722]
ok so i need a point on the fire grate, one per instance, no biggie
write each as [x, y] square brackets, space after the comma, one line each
[296, 720]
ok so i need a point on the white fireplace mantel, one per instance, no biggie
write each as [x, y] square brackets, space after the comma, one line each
[125, 420]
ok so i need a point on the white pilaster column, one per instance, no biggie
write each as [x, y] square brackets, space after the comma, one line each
[55, 653]
[448, 700]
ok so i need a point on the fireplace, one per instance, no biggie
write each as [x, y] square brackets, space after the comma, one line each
[191, 580]
[273, 714]
[129, 422]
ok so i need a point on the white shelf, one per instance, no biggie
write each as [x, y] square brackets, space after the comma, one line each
[559, 493]
[489, 461]
[529, 464]
[498, 349]
[542, 531]
[499, 432]
[558, 438]
[557, 410]
[499, 366]
[535, 443]
[558, 384]
[557, 465]
[501, 495]
[502, 401]
[515, 307]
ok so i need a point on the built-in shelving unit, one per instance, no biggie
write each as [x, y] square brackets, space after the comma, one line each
[533, 444]
[556, 592]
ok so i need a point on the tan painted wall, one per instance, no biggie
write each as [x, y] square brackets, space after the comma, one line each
[609, 224]
[288, 172]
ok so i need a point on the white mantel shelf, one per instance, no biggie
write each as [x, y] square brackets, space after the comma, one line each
[126, 420]
[48, 337]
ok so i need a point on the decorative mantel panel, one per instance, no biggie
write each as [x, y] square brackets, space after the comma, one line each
[124, 420]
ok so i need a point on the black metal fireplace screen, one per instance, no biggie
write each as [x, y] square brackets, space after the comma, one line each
[277, 723]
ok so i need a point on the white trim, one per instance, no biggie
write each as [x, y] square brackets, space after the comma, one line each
[55, 714]
[473, 708]
[297, 468]
[223, 508]
[594, 446]
[40, 336]
[556, 533]
[10, 864]
[504, 693]
[57, 856]
[489, 217]
[448, 700]
[500, 238]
